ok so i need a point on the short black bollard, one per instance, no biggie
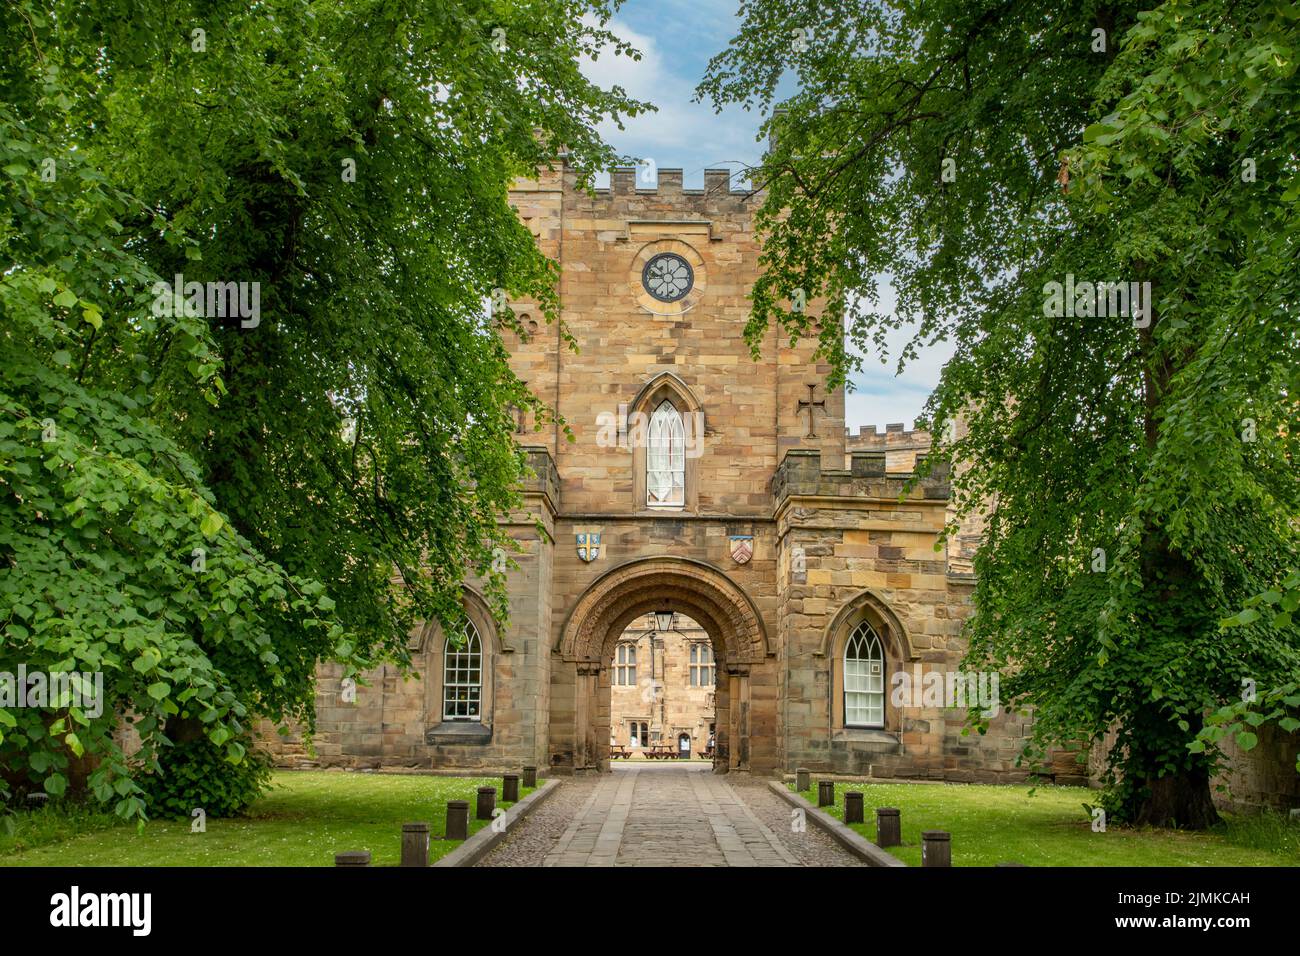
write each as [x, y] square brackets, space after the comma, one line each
[802, 779]
[352, 858]
[936, 848]
[530, 776]
[853, 807]
[510, 788]
[457, 819]
[487, 802]
[415, 844]
[825, 793]
[889, 827]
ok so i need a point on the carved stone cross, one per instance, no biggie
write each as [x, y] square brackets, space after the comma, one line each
[810, 405]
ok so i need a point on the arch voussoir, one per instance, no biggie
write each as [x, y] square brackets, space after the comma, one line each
[699, 590]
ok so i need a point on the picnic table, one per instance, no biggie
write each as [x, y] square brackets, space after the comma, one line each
[618, 750]
[660, 752]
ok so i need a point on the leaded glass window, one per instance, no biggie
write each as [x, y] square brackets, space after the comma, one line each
[864, 679]
[462, 677]
[666, 458]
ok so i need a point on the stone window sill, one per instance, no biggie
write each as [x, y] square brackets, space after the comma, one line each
[458, 732]
[876, 738]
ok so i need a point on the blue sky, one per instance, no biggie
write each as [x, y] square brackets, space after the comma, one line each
[676, 39]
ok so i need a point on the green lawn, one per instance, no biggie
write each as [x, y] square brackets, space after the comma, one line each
[303, 821]
[997, 824]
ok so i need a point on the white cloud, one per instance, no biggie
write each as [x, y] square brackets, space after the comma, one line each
[681, 133]
[883, 396]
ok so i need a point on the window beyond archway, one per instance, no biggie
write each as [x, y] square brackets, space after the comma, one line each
[462, 677]
[864, 679]
[666, 458]
[625, 665]
[702, 665]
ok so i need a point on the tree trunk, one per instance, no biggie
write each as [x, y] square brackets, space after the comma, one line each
[181, 730]
[1179, 800]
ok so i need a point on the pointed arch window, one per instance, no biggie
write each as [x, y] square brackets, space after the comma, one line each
[864, 679]
[666, 458]
[462, 677]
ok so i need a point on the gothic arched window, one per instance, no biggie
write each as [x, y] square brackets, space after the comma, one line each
[864, 679]
[666, 458]
[462, 677]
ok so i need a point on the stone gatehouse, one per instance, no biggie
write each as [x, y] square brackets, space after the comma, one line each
[703, 482]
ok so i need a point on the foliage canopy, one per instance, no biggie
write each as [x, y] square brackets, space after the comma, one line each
[202, 506]
[1140, 474]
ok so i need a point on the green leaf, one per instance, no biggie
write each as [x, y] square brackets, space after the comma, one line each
[211, 524]
[159, 690]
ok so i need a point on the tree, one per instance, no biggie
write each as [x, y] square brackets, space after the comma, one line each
[254, 413]
[1140, 467]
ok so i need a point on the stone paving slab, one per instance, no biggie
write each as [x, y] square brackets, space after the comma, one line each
[656, 816]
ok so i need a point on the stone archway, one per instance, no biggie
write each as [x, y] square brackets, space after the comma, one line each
[580, 683]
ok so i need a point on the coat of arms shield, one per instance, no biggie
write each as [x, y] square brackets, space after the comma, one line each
[742, 547]
[588, 545]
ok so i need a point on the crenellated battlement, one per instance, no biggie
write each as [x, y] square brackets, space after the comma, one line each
[895, 435]
[801, 473]
[900, 447]
[623, 181]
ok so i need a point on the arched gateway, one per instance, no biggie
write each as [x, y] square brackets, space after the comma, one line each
[582, 657]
